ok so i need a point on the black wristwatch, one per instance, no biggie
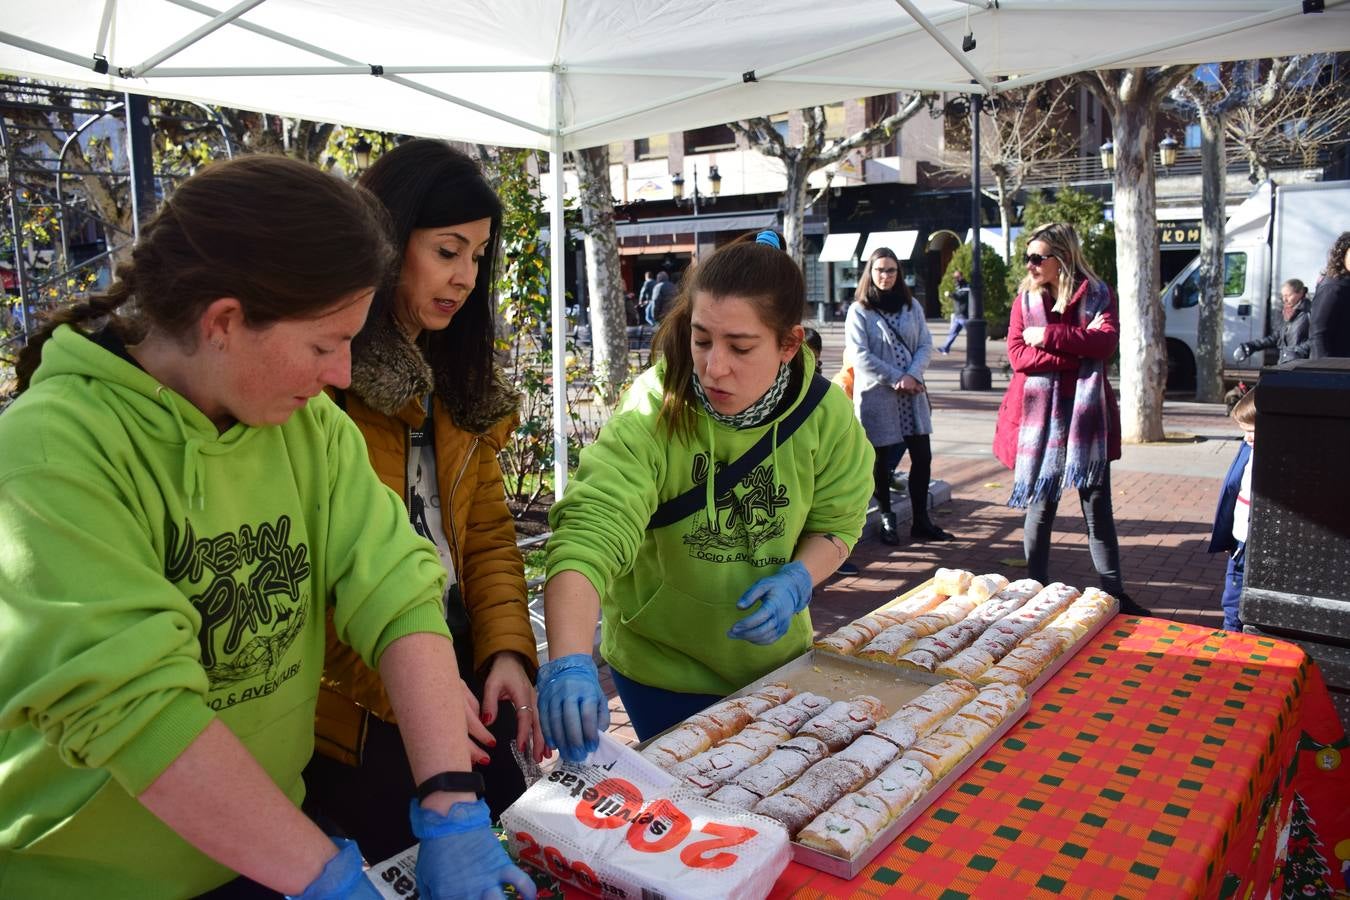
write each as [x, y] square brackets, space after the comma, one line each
[452, 782]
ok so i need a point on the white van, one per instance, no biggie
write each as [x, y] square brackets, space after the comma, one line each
[1257, 259]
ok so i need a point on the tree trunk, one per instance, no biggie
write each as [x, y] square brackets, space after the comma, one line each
[794, 209]
[604, 279]
[1005, 202]
[1143, 353]
[1209, 341]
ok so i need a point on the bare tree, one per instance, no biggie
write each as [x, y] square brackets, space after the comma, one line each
[1132, 98]
[1021, 129]
[816, 151]
[609, 333]
[1214, 93]
[1299, 110]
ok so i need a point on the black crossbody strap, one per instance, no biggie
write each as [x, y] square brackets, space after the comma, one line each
[684, 505]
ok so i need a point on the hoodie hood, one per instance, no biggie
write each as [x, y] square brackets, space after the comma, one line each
[146, 405]
[389, 372]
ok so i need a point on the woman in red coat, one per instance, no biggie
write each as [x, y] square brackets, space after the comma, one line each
[1059, 425]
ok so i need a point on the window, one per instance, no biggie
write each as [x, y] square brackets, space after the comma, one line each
[655, 147]
[835, 127]
[1187, 293]
[706, 140]
[1192, 136]
[1234, 274]
[780, 124]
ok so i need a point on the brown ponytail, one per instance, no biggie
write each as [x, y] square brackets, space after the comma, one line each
[92, 309]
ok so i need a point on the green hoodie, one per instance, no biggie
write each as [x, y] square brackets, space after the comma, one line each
[156, 574]
[669, 595]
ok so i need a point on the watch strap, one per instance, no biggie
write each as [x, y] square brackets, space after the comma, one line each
[452, 782]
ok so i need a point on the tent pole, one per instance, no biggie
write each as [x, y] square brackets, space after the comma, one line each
[959, 56]
[140, 156]
[557, 238]
[193, 37]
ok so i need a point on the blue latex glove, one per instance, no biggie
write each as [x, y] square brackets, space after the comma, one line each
[343, 878]
[459, 855]
[781, 596]
[573, 710]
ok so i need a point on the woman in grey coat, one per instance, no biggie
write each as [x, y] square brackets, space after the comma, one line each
[888, 342]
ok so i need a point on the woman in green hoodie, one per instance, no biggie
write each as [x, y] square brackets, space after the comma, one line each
[180, 503]
[704, 580]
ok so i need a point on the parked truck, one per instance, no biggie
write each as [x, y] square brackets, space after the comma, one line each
[1278, 233]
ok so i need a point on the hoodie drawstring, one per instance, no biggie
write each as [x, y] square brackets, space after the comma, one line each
[194, 476]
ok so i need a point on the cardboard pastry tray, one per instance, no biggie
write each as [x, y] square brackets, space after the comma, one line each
[841, 677]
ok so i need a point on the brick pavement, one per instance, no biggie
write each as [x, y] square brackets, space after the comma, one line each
[1164, 496]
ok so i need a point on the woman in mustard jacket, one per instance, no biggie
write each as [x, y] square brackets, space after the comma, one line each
[434, 412]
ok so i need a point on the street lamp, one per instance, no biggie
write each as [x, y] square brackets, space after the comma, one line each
[714, 184]
[1167, 152]
[1108, 151]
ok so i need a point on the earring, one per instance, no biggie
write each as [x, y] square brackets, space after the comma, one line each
[217, 344]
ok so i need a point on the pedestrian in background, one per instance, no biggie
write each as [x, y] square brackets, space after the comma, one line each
[663, 295]
[1293, 340]
[960, 298]
[1232, 518]
[644, 297]
[1330, 331]
[1059, 426]
[888, 342]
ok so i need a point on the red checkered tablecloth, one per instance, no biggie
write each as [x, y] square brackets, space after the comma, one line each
[1164, 760]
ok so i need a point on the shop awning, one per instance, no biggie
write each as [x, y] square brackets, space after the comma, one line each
[993, 237]
[840, 247]
[703, 224]
[900, 242]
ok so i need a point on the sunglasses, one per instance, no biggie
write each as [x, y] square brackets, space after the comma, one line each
[1035, 259]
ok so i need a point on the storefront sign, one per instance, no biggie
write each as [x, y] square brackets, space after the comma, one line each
[1178, 234]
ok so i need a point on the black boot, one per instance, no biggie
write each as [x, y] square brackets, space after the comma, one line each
[1129, 607]
[887, 534]
[924, 529]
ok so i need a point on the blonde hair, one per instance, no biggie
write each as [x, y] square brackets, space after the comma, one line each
[1067, 250]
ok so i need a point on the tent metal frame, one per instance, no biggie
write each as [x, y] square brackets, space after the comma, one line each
[558, 131]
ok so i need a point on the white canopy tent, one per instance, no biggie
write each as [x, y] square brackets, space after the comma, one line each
[564, 74]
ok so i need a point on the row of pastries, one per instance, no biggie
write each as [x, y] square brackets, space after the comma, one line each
[835, 773]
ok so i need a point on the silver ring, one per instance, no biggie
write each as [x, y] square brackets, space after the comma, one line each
[523, 708]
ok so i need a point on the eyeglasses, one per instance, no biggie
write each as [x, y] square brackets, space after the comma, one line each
[881, 271]
[1035, 259]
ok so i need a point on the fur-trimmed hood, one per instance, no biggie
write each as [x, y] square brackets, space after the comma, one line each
[389, 371]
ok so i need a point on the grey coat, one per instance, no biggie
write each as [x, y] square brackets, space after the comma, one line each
[879, 363]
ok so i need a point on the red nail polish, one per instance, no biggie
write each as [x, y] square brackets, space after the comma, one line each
[485, 717]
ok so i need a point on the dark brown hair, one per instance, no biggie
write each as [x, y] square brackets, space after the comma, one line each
[762, 275]
[1336, 257]
[284, 239]
[429, 184]
[1244, 411]
[867, 293]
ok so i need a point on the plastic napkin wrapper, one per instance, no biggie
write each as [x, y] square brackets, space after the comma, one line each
[616, 825]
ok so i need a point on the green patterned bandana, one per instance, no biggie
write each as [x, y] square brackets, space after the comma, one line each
[756, 413]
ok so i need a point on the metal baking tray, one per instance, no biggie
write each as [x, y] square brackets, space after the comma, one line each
[842, 677]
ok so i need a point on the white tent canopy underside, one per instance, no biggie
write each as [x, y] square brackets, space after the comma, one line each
[484, 71]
